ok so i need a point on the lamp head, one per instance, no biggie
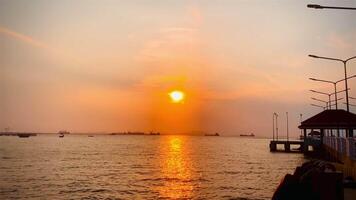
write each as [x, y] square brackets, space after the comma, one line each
[313, 56]
[316, 6]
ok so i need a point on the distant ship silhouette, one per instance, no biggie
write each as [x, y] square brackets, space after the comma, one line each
[216, 134]
[247, 135]
[61, 133]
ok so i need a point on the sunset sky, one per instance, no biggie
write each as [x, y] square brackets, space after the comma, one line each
[104, 66]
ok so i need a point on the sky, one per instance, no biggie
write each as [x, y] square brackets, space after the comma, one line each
[108, 66]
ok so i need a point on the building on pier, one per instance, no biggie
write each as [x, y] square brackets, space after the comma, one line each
[336, 136]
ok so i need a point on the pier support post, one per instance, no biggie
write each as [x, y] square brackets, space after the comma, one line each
[272, 146]
[351, 133]
[305, 145]
[287, 146]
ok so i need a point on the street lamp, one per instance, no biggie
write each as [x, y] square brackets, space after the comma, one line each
[287, 127]
[273, 127]
[329, 95]
[350, 104]
[316, 6]
[335, 101]
[301, 119]
[317, 106]
[276, 115]
[343, 61]
[326, 81]
[326, 102]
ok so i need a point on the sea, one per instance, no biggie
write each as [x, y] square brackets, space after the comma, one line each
[141, 167]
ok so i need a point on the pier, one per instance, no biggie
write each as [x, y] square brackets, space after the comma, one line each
[286, 146]
[19, 134]
[329, 135]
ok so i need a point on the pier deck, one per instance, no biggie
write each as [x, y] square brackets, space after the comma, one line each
[286, 145]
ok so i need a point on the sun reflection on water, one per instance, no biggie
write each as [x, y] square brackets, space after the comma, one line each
[176, 170]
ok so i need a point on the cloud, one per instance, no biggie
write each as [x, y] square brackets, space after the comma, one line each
[195, 15]
[170, 45]
[61, 54]
[24, 38]
[341, 42]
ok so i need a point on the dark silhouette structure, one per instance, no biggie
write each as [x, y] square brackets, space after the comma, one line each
[331, 120]
[335, 136]
[316, 6]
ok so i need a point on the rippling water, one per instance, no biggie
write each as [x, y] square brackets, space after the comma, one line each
[140, 167]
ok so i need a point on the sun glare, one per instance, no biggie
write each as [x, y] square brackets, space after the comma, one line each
[176, 96]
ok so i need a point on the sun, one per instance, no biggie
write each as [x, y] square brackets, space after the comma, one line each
[177, 96]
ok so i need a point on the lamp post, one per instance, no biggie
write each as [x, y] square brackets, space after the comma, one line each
[317, 106]
[276, 115]
[287, 127]
[329, 95]
[350, 104]
[301, 131]
[273, 127]
[345, 62]
[324, 93]
[326, 102]
[316, 6]
[334, 83]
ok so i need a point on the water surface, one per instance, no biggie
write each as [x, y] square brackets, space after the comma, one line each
[140, 167]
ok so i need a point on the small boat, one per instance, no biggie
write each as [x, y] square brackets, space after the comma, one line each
[24, 135]
[134, 133]
[247, 135]
[63, 132]
[90, 135]
[216, 134]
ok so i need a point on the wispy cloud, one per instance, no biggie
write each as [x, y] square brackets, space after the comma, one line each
[22, 37]
[342, 42]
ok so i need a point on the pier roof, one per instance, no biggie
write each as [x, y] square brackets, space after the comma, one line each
[330, 119]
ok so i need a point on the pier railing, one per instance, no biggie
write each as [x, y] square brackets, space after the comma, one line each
[344, 146]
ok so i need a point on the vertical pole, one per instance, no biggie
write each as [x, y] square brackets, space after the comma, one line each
[338, 130]
[329, 101]
[287, 127]
[273, 127]
[335, 96]
[305, 146]
[346, 88]
[351, 132]
[305, 133]
[277, 126]
[301, 131]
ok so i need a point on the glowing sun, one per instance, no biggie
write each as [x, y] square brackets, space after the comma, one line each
[176, 96]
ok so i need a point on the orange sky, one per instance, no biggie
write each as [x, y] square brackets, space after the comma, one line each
[103, 66]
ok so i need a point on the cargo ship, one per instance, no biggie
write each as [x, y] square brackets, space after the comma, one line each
[216, 134]
[247, 135]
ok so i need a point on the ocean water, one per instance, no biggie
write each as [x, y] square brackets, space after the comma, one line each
[140, 167]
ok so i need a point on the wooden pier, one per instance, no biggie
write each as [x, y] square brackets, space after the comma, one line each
[286, 146]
